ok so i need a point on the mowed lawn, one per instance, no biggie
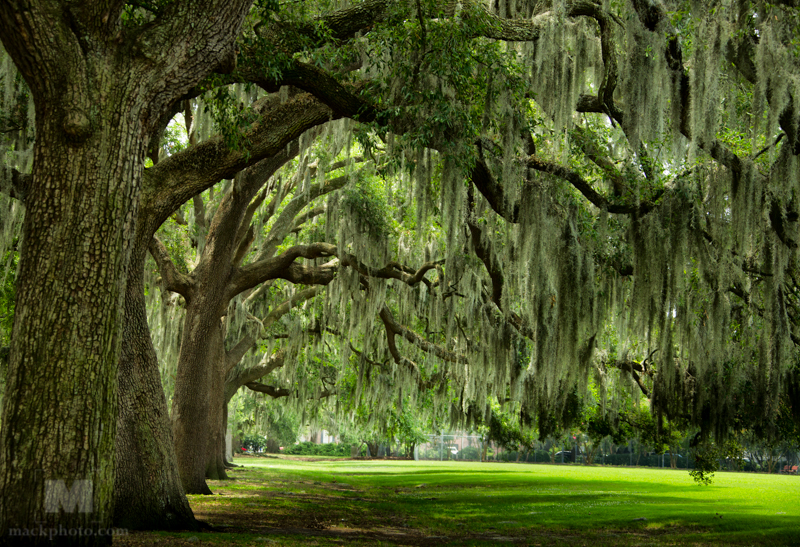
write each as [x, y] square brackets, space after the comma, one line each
[288, 502]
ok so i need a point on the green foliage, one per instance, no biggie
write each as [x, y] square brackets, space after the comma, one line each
[135, 14]
[175, 138]
[177, 239]
[255, 416]
[254, 443]
[264, 7]
[706, 462]
[230, 116]
[312, 449]
[8, 269]
[599, 426]
[504, 429]
[14, 119]
[551, 423]
[366, 202]
[433, 72]
[425, 71]
[406, 426]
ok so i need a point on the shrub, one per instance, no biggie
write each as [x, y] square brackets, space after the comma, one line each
[311, 449]
[253, 443]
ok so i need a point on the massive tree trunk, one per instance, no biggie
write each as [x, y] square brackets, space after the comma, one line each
[203, 363]
[98, 90]
[216, 457]
[190, 404]
[59, 409]
[148, 491]
[215, 468]
[227, 456]
[202, 347]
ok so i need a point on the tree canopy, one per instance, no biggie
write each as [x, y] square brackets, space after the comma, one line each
[594, 190]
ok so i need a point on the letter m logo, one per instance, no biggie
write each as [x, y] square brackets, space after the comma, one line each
[79, 497]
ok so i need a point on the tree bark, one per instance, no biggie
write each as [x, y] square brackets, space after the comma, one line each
[147, 488]
[97, 91]
[203, 363]
[59, 409]
[227, 456]
[215, 469]
[191, 406]
[149, 492]
[202, 355]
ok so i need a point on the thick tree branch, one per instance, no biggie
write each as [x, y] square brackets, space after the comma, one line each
[199, 211]
[39, 38]
[308, 215]
[279, 392]
[174, 280]
[244, 246]
[580, 184]
[490, 261]
[343, 99]
[392, 270]
[239, 375]
[480, 22]
[585, 140]
[492, 190]
[285, 307]
[634, 369]
[339, 26]
[272, 391]
[246, 232]
[177, 178]
[256, 176]
[412, 337]
[283, 267]
[285, 222]
[202, 34]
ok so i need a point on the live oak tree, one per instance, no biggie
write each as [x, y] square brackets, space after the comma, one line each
[99, 89]
[146, 441]
[221, 274]
[239, 255]
[585, 164]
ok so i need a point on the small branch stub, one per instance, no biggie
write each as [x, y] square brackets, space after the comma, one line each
[77, 125]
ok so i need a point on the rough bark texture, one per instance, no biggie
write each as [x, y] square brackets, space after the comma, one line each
[147, 490]
[202, 363]
[176, 179]
[97, 91]
[215, 468]
[65, 340]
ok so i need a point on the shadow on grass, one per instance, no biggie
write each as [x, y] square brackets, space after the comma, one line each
[332, 505]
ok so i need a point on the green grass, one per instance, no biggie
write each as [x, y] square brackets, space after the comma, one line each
[286, 502]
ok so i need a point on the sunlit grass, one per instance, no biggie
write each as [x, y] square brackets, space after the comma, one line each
[472, 503]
